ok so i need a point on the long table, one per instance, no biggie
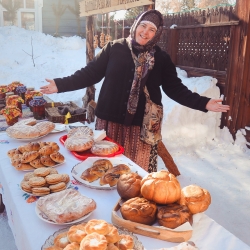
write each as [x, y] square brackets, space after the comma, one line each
[30, 232]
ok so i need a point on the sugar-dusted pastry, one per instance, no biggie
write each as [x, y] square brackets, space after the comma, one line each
[94, 240]
[65, 206]
[97, 226]
[76, 233]
[72, 246]
[79, 144]
[113, 234]
[45, 127]
[61, 240]
[126, 242]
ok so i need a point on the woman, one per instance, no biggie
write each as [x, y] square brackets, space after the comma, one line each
[128, 65]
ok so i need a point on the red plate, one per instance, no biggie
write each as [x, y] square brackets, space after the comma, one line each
[85, 154]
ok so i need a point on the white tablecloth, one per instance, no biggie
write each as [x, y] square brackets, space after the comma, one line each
[30, 232]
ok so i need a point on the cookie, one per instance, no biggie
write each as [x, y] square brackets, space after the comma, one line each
[40, 191]
[25, 186]
[37, 181]
[53, 178]
[65, 178]
[57, 187]
[53, 170]
[41, 172]
[27, 176]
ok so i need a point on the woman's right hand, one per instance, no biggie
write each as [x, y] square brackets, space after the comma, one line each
[50, 88]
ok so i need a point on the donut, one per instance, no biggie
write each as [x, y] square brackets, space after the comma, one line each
[76, 233]
[97, 226]
[94, 241]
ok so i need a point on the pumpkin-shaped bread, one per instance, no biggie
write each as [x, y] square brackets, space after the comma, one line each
[129, 185]
[161, 187]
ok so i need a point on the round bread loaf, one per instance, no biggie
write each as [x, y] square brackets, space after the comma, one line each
[78, 144]
[173, 215]
[129, 185]
[103, 148]
[139, 210]
[161, 187]
[197, 199]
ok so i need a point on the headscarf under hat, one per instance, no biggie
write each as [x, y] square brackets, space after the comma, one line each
[144, 61]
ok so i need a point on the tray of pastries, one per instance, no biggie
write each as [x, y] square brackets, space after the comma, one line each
[100, 173]
[80, 142]
[156, 206]
[30, 129]
[34, 155]
[43, 181]
[94, 234]
[65, 207]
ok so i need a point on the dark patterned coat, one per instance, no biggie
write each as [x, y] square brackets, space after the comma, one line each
[114, 63]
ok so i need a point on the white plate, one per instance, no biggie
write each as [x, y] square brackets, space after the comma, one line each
[67, 185]
[59, 127]
[27, 139]
[78, 169]
[29, 170]
[43, 217]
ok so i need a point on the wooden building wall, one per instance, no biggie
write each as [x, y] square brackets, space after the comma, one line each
[68, 23]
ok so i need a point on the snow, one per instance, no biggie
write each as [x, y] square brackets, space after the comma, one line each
[205, 154]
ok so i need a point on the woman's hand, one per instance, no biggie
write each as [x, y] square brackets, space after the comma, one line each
[50, 88]
[216, 106]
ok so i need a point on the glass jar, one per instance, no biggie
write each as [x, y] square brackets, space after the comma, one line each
[28, 96]
[38, 107]
[20, 90]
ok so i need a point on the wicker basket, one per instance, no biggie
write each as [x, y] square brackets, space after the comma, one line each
[51, 112]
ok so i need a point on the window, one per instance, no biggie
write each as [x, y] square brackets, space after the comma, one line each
[30, 4]
[28, 20]
[7, 19]
[18, 3]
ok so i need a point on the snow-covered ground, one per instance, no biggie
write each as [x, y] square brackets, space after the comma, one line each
[205, 154]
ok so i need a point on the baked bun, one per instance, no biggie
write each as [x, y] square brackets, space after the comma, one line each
[76, 233]
[61, 240]
[113, 235]
[126, 242]
[72, 246]
[161, 187]
[109, 179]
[129, 185]
[94, 241]
[97, 226]
[57, 157]
[111, 246]
[103, 148]
[29, 156]
[197, 199]
[12, 152]
[100, 167]
[83, 131]
[173, 215]
[139, 210]
[88, 176]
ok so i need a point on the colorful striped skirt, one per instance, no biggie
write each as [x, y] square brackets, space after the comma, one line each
[141, 153]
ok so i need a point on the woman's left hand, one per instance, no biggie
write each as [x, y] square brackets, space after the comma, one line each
[216, 106]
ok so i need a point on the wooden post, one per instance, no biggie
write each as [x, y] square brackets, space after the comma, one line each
[90, 53]
[237, 93]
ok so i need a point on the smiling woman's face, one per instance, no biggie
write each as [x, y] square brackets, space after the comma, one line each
[144, 33]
